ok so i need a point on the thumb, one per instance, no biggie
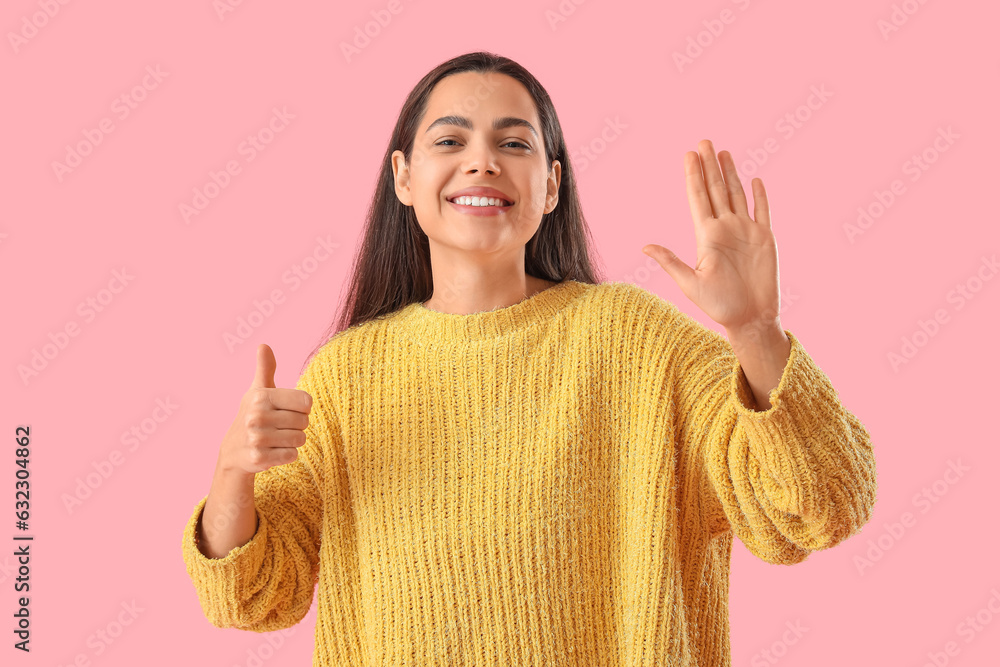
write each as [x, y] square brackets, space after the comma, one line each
[682, 274]
[265, 367]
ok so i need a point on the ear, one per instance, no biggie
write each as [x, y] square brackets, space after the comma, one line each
[552, 186]
[401, 176]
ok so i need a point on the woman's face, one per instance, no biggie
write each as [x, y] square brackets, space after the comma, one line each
[457, 146]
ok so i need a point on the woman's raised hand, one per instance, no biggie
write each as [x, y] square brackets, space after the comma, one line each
[735, 280]
[270, 424]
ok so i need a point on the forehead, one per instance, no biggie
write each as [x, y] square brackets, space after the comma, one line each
[479, 97]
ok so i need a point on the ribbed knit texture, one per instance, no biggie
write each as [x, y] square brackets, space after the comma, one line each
[552, 483]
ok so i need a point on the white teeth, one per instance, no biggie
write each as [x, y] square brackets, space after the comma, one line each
[478, 201]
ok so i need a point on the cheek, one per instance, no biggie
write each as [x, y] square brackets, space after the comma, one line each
[534, 206]
[429, 219]
[432, 214]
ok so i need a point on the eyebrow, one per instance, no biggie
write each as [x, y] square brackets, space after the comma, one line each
[498, 123]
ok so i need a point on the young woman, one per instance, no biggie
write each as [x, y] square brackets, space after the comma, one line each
[498, 459]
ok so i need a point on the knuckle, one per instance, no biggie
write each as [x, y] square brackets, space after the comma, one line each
[261, 398]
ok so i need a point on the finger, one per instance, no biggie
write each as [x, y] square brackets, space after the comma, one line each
[701, 207]
[288, 438]
[284, 453]
[713, 178]
[681, 273]
[264, 377]
[294, 401]
[761, 208]
[287, 419]
[737, 197]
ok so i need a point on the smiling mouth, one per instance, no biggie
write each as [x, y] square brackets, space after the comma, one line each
[503, 203]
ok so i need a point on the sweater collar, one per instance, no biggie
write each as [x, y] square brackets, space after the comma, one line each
[431, 325]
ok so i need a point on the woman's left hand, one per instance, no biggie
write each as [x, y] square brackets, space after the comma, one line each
[735, 280]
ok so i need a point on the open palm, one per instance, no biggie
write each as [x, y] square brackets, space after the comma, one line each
[735, 280]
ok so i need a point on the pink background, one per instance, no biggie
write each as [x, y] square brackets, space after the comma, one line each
[161, 336]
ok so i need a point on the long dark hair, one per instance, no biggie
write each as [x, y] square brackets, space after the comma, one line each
[392, 266]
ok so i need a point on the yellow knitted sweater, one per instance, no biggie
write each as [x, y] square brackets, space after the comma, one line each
[552, 483]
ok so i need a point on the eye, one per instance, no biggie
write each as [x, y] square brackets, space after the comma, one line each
[443, 141]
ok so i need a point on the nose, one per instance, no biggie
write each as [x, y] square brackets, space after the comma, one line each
[482, 158]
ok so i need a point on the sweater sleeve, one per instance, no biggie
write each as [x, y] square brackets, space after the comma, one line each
[268, 583]
[792, 479]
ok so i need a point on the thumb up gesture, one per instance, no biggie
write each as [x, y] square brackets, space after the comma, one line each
[270, 424]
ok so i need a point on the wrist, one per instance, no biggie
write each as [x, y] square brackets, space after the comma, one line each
[229, 474]
[759, 341]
